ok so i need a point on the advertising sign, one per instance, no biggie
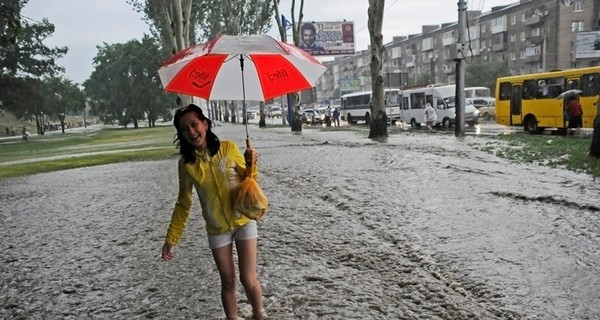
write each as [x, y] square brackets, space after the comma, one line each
[588, 45]
[327, 38]
[350, 85]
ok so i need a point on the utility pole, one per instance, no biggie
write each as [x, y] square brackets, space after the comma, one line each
[459, 120]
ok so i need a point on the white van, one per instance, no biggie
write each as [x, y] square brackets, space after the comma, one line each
[443, 100]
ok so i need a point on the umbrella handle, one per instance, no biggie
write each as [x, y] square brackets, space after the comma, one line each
[249, 165]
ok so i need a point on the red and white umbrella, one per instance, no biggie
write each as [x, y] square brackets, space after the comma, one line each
[255, 67]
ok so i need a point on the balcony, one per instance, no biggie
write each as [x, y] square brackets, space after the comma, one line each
[533, 20]
[499, 46]
[533, 58]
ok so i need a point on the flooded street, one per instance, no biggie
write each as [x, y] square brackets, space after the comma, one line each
[424, 226]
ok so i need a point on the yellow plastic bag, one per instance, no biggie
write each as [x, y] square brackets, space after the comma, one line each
[250, 200]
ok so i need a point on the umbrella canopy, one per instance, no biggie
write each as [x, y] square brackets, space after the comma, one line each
[569, 93]
[255, 67]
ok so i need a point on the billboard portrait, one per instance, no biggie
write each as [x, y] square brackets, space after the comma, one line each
[588, 45]
[327, 38]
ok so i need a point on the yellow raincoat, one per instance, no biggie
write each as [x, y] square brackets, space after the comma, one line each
[215, 180]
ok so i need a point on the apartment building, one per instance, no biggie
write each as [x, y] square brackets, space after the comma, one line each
[528, 35]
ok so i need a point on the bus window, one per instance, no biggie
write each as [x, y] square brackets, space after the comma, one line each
[572, 84]
[590, 84]
[542, 89]
[555, 86]
[441, 104]
[405, 105]
[418, 100]
[529, 89]
[429, 99]
[504, 91]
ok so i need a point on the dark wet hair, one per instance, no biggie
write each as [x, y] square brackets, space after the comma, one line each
[185, 148]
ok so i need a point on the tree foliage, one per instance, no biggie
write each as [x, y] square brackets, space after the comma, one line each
[25, 60]
[61, 97]
[125, 86]
[485, 74]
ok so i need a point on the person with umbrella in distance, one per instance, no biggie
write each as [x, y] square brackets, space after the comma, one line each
[575, 114]
[215, 168]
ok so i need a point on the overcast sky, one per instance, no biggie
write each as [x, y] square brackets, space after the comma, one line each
[81, 25]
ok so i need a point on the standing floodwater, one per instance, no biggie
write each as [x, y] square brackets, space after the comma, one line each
[420, 227]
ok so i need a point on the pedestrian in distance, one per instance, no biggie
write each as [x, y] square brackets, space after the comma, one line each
[24, 134]
[430, 116]
[214, 168]
[328, 116]
[336, 117]
[575, 114]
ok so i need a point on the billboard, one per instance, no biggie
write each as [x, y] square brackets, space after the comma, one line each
[588, 45]
[327, 38]
[349, 85]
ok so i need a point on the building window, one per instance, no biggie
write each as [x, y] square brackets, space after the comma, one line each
[482, 28]
[577, 7]
[522, 54]
[513, 19]
[513, 56]
[523, 17]
[535, 32]
[513, 37]
[523, 36]
[577, 26]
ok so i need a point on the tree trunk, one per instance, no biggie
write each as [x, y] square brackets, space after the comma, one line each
[378, 123]
[292, 99]
[261, 122]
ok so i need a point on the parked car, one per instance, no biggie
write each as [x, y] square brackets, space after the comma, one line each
[489, 111]
[274, 112]
[486, 107]
[311, 116]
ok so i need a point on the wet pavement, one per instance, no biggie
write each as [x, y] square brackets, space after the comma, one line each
[424, 226]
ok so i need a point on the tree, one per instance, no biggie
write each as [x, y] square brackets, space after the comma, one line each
[424, 79]
[125, 85]
[378, 121]
[292, 98]
[24, 60]
[485, 74]
[62, 97]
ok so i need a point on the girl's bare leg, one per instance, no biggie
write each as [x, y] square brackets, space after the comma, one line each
[247, 254]
[224, 259]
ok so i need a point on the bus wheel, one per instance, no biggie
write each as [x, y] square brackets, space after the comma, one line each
[413, 123]
[446, 124]
[531, 125]
[487, 116]
[368, 118]
[349, 117]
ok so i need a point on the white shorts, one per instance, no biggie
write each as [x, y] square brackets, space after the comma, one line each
[246, 232]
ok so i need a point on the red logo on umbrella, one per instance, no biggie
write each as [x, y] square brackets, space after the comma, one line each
[278, 75]
[201, 75]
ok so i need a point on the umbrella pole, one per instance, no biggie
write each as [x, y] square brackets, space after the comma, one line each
[244, 97]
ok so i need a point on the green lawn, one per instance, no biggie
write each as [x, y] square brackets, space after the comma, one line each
[76, 149]
[552, 151]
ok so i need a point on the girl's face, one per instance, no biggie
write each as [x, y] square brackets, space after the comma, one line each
[194, 130]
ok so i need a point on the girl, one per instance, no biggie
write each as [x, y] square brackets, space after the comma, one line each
[214, 168]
